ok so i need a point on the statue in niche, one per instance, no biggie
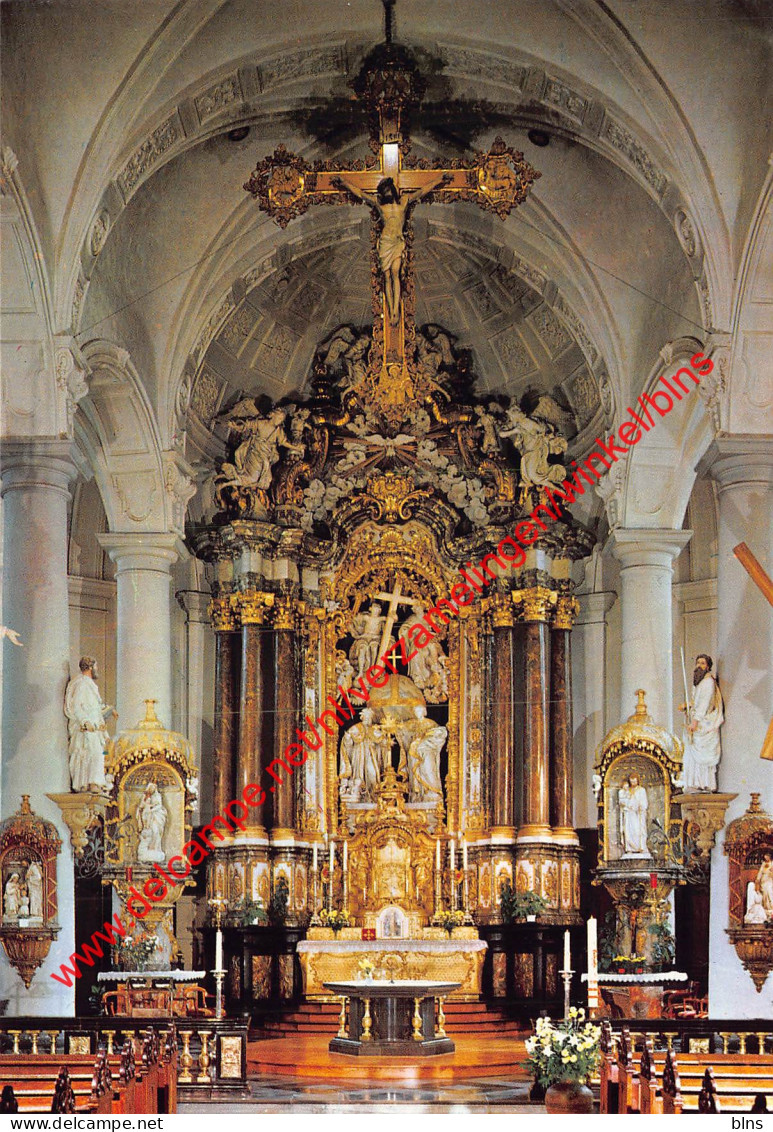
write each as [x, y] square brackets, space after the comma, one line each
[150, 817]
[704, 717]
[536, 440]
[24, 903]
[262, 437]
[422, 762]
[366, 751]
[367, 629]
[634, 805]
[33, 879]
[12, 897]
[755, 909]
[86, 714]
[392, 207]
[428, 667]
[764, 884]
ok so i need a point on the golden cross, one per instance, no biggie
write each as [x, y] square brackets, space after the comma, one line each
[284, 186]
[763, 583]
[394, 598]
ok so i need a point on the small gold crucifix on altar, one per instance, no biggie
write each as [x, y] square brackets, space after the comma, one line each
[764, 583]
[391, 183]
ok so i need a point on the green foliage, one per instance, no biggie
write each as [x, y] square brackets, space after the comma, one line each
[663, 947]
[518, 905]
[246, 914]
[607, 947]
[277, 908]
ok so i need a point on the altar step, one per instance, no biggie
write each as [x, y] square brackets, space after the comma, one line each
[322, 1018]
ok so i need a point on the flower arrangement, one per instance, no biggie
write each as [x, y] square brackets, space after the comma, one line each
[247, 913]
[565, 1051]
[450, 920]
[519, 905]
[335, 919]
[367, 968]
[629, 964]
[134, 951]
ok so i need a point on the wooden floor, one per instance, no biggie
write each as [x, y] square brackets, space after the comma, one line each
[307, 1055]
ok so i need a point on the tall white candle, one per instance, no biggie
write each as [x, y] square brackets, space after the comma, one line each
[314, 858]
[464, 854]
[437, 854]
[453, 855]
[346, 855]
[593, 950]
[332, 861]
[218, 950]
[567, 953]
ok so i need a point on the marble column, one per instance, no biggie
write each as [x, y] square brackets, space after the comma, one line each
[36, 476]
[255, 700]
[536, 769]
[143, 573]
[561, 730]
[646, 559]
[226, 722]
[590, 684]
[742, 466]
[503, 721]
[286, 717]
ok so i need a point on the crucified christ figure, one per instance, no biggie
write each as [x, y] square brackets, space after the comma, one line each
[392, 207]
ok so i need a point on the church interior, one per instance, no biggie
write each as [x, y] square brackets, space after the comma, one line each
[386, 633]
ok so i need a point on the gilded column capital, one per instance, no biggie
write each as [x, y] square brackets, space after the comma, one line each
[250, 606]
[501, 610]
[565, 612]
[221, 614]
[285, 613]
[536, 604]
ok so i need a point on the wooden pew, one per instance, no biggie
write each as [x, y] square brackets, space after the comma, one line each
[608, 1087]
[715, 1082]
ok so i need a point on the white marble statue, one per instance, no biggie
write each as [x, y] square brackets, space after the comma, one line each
[12, 897]
[705, 716]
[367, 629]
[255, 457]
[755, 910]
[24, 903]
[428, 666]
[764, 884]
[151, 816]
[536, 441]
[34, 881]
[422, 761]
[86, 714]
[634, 804]
[365, 755]
[11, 634]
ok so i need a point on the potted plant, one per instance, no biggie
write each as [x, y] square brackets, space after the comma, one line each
[520, 906]
[450, 920]
[562, 1056]
[248, 913]
[335, 919]
[663, 947]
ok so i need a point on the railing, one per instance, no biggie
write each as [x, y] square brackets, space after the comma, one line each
[698, 1035]
[212, 1053]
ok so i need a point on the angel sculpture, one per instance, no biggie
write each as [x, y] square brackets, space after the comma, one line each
[262, 437]
[536, 441]
[346, 350]
[434, 348]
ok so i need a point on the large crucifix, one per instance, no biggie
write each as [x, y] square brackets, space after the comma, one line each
[284, 186]
[395, 598]
[764, 583]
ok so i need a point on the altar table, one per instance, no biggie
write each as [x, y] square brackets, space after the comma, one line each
[637, 996]
[154, 994]
[438, 960]
[392, 1018]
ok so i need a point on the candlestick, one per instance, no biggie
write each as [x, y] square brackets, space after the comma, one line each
[332, 857]
[345, 877]
[567, 978]
[437, 854]
[346, 855]
[218, 950]
[567, 952]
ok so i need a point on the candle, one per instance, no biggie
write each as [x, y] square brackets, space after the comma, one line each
[346, 855]
[332, 857]
[314, 859]
[567, 953]
[464, 853]
[218, 950]
[437, 854]
[453, 855]
[593, 956]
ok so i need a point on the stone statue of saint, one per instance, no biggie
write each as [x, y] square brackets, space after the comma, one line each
[34, 881]
[764, 884]
[12, 897]
[633, 802]
[86, 713]
[151, 816]
[392, 207]
[366, 628]
[705, 716]
[428, 666]
[262, 437]
[423, 758]
[536, 440]
[365, 754]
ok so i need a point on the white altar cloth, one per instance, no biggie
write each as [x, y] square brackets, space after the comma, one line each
[166, 976]
[650, 978]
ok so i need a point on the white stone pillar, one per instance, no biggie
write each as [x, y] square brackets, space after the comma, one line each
[144, 654]
[743, 468]
[646, 559]
[36, 476]
[589, 681]
[199, 702]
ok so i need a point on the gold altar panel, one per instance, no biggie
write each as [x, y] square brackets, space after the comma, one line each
[463, 967]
